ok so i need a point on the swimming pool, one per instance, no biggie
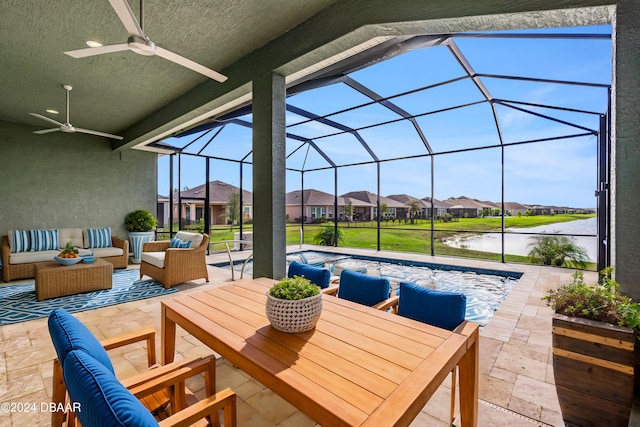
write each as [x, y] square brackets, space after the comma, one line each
[485, 289]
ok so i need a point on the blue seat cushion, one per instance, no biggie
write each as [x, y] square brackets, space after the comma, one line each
[68, 334]
[363, 289]
[442, 309]
[317, 276]
[100, 398]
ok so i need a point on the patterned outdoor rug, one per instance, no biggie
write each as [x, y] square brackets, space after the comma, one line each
[18, 303]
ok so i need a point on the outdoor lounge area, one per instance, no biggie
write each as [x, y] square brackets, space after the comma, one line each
[84, 129]
[516, 378]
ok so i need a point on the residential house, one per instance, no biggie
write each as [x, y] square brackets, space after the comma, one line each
[515, 208]
[440, 207]
[192, 202]
[368, 210]
[465, 207]
[405, 199]
[316, 204]
[162, 211]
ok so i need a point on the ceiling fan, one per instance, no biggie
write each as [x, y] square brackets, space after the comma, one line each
[139, 43]
[67, 127]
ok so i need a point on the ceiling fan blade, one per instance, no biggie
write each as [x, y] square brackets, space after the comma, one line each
[127, 17]
[91, 51]
[40, 132]
[94, 132]
[40, 116]
[174, 57]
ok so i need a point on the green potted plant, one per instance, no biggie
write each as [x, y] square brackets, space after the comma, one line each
[594, 336]
[141, 225]
[293, 305]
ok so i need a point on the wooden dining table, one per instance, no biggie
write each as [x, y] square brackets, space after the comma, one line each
[358, 367]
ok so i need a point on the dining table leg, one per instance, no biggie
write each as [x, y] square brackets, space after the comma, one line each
[469, 377]
[167, 337]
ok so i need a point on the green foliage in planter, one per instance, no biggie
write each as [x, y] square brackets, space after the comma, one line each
[294, 288]
[140, 220]
[600, 301]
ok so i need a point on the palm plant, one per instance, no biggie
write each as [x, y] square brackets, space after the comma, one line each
[557, 251]
[326, 235]
[414, 207]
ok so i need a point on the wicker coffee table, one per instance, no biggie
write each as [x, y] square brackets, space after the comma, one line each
[56, 280]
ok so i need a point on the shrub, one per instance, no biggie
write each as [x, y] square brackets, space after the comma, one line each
[140, 220]
[294, 288]
[557, 251]
[325, 235]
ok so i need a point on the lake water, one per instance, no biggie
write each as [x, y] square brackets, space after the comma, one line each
[519, 244]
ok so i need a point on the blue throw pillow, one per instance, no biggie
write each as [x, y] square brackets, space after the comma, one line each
[68, 334]
[99, 237]
[363, 289]
[101, 399]
[20, 241]
[317, 276]
[44, 240]
[177, 243]
[442, 309]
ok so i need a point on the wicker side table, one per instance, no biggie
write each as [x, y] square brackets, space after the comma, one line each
[55, 280]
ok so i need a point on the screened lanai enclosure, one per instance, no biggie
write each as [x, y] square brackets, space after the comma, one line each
[466, 144]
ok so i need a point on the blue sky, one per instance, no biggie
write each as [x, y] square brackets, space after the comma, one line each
[560, 172]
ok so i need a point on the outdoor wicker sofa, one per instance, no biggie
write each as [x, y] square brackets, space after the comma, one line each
[19, 259]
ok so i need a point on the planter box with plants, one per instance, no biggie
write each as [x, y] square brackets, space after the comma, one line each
[294, 305]
[594, 335]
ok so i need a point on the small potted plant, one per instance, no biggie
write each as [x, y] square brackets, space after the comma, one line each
[294, 305]
[141, 225]
[594, 336]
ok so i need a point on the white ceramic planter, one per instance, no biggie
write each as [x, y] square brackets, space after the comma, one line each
[294, 316]
[136, 240]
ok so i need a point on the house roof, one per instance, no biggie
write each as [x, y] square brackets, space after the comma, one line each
[405, 198]
[372, 199]
[468, 203]
[312, 197]
[219, 193]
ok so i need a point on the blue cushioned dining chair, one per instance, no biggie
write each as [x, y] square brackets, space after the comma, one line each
[442, 309]
[99, 399]
[317, 276]
[367, 290]
[69, 334]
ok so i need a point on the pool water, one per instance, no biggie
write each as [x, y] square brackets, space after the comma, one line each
[485, 290]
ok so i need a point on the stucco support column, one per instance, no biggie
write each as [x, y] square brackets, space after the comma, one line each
[269, 177]
[625, 174]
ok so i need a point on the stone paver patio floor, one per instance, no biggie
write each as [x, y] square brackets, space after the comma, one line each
[516, 375]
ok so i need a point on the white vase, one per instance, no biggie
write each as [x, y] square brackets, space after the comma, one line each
[136, 240]
[293, 316]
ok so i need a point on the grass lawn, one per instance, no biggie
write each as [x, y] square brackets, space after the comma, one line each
[403, 236]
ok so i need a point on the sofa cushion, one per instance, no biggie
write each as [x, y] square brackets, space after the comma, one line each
[73, 235]
[43, 240]
[102, 399]
[153, 258]
[194, 238]
[106, 252]
[68, 334]
[179, 244]
[28, 257]
[97, 237]
[18, 240]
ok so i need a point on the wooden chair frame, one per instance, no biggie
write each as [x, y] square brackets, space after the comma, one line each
[157, 386]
